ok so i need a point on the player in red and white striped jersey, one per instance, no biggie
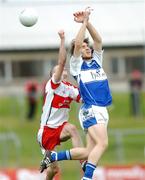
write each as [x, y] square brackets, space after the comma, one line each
[54, 126]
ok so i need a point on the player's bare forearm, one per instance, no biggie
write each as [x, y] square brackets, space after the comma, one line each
[79, 39]
[62, 53]
[61, 57]
[81, 17]
[95, 36]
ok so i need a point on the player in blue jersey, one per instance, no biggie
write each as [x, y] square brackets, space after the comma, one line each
[86, 67]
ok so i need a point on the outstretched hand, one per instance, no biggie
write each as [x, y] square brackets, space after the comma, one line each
[61, 34]
[80, 16]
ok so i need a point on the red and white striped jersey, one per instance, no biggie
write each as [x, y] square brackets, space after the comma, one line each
[57, 103]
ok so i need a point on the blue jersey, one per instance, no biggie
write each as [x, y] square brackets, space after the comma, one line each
[92, 80]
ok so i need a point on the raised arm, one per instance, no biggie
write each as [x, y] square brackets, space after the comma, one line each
[61, 58]
[97, 40]
[79, 17]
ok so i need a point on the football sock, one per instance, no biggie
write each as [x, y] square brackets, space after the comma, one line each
[89, 171]
[62, 155]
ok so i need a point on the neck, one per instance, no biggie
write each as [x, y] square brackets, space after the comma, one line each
[87, 58]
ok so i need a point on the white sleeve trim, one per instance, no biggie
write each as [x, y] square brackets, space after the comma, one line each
[75, 65]
[98, 56]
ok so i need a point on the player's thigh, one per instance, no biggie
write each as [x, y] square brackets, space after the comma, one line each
[66, 132]
[98, 133]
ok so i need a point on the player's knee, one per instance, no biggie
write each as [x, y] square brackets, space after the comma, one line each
[104, 145]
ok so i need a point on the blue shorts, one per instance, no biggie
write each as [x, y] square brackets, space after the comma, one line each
[91, 115]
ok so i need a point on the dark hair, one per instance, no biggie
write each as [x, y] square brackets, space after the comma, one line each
[72, 46]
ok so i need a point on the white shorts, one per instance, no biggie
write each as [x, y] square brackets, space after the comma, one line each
[92, 115]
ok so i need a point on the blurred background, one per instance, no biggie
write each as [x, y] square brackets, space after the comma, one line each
[27, 54]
